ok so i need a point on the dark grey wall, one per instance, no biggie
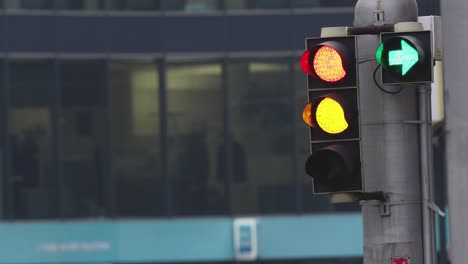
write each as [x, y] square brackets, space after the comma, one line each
[154, 34]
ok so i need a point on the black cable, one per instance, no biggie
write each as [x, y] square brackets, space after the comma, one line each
[380, 87]
[366, 60]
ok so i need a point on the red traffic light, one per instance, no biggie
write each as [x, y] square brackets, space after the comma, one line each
[330, 62]
[326, 63]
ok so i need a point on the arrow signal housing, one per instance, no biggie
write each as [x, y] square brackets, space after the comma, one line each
[396, 56]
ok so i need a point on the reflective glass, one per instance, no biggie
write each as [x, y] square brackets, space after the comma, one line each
[192, 5]
[257, 4]
[136, 152]
[34, 179]
[83, 127]
[261, 114]
[148, 5]
[195, 127]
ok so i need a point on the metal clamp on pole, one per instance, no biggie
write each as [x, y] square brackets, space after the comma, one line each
[377, 196]
[370, 30]
[435, 208]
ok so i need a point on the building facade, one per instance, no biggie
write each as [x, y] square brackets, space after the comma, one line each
[138, 131]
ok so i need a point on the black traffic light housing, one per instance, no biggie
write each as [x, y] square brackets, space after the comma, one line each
[406, 57]
[332, 113]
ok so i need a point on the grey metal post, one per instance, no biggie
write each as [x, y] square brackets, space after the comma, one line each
[427, 175]
[390, 129]
[455, 40]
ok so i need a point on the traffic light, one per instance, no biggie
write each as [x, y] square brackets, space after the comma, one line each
[332, 113]
[330, 62]
[405, 57]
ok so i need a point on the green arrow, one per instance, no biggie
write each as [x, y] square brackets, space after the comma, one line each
[407, 57]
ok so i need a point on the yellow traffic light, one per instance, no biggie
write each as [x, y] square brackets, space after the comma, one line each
[326, 114]
[330, 116]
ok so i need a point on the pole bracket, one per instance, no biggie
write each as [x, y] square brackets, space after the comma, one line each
[367, 196]
[435, 208]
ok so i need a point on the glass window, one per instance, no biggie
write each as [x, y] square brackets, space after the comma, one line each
[192, 5]
[257, 4]
[83, 125]
[261, 114]
[29, 4]
[80, 4]
[309, 201]
[195, 127]
[148, 5]
[34, 178]
[136, 152]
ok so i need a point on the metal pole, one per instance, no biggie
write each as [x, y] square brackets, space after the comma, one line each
[427, 174]
[455, 40]
[391, 126]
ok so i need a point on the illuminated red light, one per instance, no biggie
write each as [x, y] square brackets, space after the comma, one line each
[328, 64]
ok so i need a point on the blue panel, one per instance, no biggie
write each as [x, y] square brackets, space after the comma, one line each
[177, 240]
[310, 236]
[201, 239]
[82, 34]
[30, 33]
[57, 242]
[189, 34]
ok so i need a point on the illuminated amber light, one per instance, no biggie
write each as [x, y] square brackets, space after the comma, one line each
[307, 114]
[328, 64]
[330, 116]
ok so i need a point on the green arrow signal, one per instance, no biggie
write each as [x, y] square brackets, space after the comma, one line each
[407, 57]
